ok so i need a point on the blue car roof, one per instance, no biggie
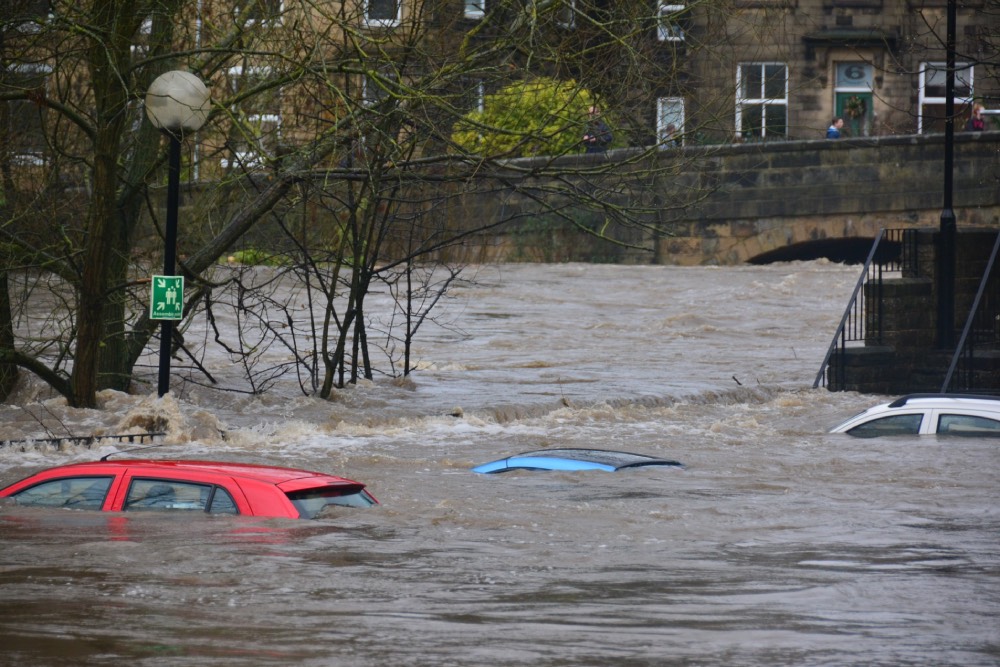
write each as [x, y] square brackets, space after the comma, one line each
[573, 459]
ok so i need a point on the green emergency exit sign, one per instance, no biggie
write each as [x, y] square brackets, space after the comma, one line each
[166, 298]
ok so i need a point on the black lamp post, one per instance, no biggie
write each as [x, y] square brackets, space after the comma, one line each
[946, 237]
[177, 103]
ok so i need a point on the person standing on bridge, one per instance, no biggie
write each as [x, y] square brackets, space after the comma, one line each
[976, 122]
[833, 132]
[598, 135]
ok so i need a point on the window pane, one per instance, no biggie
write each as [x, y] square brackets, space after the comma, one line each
[475, 8]
[855, 75]
[895, 425]
[223, 503]
[936, 80]
[160, 494]
[372, 87]
[83, 493]
[382, 10]
[753, 120]
[23, 13]
[311, 502]
[935, 83]
[669, 28]
[471, 95]
[774, 82]
[670, 121]
[256, 131]
[267, 101]
[567, 17]
[968, 425]
[777, 121]
[26, 131]
[963, 81]
[752, 83]
[264, 10]
[933, 118]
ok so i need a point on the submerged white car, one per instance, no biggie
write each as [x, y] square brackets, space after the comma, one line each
[928, 414]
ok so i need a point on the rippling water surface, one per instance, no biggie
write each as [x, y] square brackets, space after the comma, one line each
[778, 544]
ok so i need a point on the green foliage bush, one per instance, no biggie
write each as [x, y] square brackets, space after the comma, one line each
[257, 257]
[539, 116]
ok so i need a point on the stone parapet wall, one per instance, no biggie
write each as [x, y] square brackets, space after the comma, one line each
[778, 195]
[721, 205]
[730, 204]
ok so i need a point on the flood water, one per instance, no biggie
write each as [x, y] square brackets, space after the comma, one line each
[777, 544]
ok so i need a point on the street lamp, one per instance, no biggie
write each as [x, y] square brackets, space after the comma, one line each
[947, 231]
[177, 103]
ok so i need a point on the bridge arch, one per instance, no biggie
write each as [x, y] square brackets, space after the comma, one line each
[848, 250]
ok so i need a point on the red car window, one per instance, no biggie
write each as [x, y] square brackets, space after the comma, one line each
[82, 493]
[221, 502]
[163, 494]
[311, 502]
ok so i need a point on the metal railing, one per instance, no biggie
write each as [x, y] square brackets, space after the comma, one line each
[893, 251]
[981, 332]
[83, 440]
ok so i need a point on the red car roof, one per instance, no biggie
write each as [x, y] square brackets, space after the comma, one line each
[256, 490]
[264, 473]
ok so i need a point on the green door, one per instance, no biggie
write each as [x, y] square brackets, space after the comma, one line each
[856, 110]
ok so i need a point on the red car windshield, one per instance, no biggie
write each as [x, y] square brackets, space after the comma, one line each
[311, 502]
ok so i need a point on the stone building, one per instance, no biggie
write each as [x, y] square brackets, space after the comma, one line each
[690, 73]
[748, 70]
[773, 69]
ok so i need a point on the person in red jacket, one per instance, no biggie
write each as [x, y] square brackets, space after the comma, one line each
[976, 122]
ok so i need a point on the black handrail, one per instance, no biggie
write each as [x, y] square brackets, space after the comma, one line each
[846, 319]
[966, 344]
[865, 324]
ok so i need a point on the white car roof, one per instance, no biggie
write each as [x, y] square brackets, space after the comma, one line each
[946, 400]
[975, 404]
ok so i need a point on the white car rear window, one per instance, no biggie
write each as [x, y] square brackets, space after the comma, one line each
[892, 425]
[968, 425]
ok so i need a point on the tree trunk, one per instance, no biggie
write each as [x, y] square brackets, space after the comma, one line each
[8, 371]
[108, 61]
[94, 277]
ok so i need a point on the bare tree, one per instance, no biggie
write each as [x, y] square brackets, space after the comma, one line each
[329, 146]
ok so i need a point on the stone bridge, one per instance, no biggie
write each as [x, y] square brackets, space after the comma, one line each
[711, 205]
[805, 199]
[780, 201]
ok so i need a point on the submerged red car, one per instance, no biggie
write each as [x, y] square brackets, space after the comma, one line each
[194, 486]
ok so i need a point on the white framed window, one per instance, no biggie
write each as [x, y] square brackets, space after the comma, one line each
[668, 23]
[670, 122]
[371, 92]
[475, 9]
[479, 91]
[141, 45]
[932, 100]
[567, 14]
[28, 143]
[28, 16]
[264, 12]
[471, 96]
[761, 100]
[382, 12]
[256, 130]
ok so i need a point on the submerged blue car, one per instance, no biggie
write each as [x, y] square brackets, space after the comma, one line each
[573, 459]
